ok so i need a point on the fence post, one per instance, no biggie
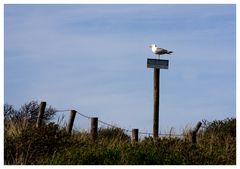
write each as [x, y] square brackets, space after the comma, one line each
[134, 135]
[94, 128]
[40, 114]
[71, 121]
[194, 132]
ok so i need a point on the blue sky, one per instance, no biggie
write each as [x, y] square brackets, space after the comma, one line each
[93, 58]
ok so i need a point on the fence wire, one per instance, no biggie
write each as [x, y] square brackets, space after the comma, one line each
[61, 111]
[83, 115]
[124, 129]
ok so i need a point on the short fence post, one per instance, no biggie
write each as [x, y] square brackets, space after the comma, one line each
[94, 128]
[194, 132]
[40, 114]
[134, 135]
[71, 121]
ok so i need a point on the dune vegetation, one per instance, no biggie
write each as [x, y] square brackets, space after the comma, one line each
[24, 144]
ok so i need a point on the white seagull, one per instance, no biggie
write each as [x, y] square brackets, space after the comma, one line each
[159, 51]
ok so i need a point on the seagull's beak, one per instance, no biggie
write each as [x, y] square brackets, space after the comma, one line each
[150, 46]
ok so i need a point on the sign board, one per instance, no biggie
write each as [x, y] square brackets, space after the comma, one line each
[157, 63]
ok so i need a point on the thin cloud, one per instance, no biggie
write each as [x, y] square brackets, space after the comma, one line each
[93, 58]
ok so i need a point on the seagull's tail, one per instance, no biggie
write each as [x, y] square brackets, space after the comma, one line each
[169, 52]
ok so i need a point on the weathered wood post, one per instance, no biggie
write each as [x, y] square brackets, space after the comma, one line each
[71, 121]
[134, 135]
[194, 132]
[157, 64]
[40, 114]
[156, 103]
[94, 128]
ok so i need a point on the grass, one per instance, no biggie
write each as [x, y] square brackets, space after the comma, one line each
[50, 144]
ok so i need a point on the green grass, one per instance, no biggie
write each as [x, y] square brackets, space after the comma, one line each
[51, 145]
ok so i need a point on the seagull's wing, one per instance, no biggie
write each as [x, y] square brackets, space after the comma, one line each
[160, 51]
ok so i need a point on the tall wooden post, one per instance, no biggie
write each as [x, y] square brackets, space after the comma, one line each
[71, 121]
[40, 114]
[156, 103]
[134, 135]
[157, 64]
[94, 128]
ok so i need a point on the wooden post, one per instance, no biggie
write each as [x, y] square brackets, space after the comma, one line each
[134, 135]
[194, 132]
[40, 114]
[156, 103]
[94, 128]
[71, 121]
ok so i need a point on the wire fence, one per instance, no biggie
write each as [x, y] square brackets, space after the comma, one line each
[124, 129]
[170, 134]
[192, 134]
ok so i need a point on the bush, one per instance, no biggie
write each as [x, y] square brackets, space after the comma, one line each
[112, 133]
[221, 128]
[27, 114]
[32, 143]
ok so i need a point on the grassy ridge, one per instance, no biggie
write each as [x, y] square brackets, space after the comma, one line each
[51, 145]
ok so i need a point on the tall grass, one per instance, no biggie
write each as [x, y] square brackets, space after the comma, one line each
[50, 144]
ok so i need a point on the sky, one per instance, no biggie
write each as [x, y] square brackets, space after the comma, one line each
[93, 59]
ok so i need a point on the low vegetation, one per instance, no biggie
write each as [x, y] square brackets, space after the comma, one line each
[50, 144]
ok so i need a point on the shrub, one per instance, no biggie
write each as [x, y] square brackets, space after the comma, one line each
[112, 133]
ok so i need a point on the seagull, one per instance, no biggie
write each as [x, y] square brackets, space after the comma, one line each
[159, 51]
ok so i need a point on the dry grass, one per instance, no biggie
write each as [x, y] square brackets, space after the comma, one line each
[50, 144]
